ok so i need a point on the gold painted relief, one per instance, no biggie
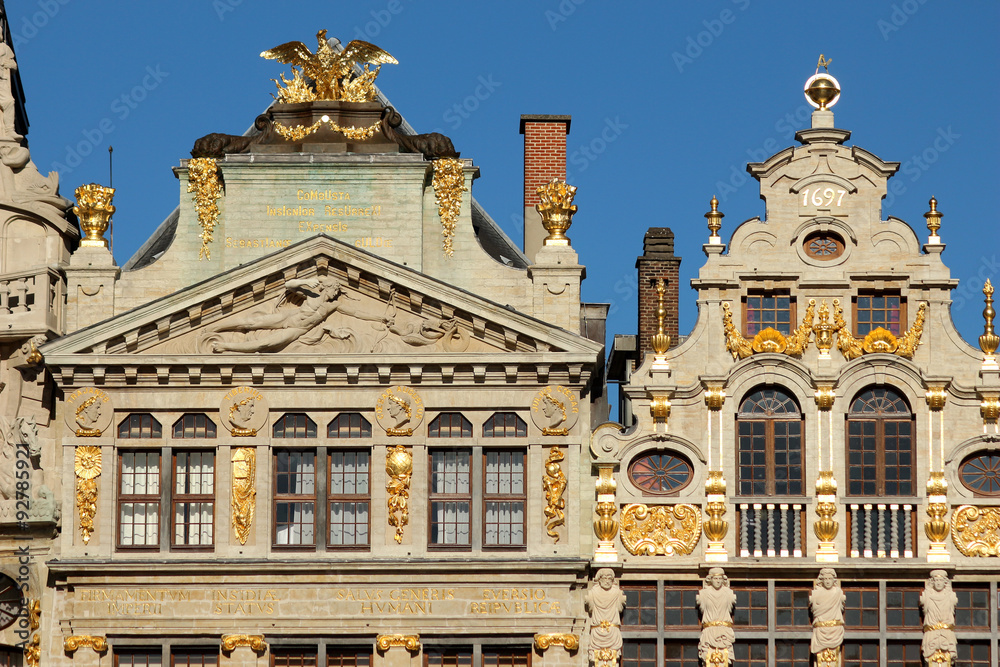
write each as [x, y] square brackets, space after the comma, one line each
[976, 530]
[399, 468]
[88, 469]
[769, 340]
[244, 497]
[665, 530]
[448, 184]
[879, 340]
[203, 181]
[568, 641]
[554, 484]
[253, 642]
[409, 642]
[96, 642]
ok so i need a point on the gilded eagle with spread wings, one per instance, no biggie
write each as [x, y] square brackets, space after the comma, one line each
[330, 70]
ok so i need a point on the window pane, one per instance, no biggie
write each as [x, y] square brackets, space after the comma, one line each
[640, 606]
[639, 653]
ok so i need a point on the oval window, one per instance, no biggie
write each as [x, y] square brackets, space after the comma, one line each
[980, 473]
[660, 473]
[824, 245]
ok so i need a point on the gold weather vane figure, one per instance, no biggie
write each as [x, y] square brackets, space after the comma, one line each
[330, 70]
[824, 63]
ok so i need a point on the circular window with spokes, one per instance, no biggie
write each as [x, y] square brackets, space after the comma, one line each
[980, 473]
[660, 473]
[823, 246]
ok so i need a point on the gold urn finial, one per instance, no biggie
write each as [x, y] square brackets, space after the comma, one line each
[660, 341]
[714, 221]
[933, 221]
[94, 210]
[989, 341]
[557, 210]
[822, 90]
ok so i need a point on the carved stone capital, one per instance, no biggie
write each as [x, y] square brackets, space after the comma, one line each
[96, 642]
[409, 642]
[568, 641]
[936, 397]
[253, 642]
[825, 396]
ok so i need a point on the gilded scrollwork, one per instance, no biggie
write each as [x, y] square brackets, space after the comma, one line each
[976, 530]
[661, 529]
[409, 642]
[878, 340]
[769, 340]
[253, 642]
[203, 181]
[33, 651]
[88, 469]
[554, 484]
[244, 497]
[399, 468]
[568, 641]
[96, 642]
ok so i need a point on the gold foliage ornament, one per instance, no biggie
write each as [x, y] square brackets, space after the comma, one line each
[554, 484]
[879, 340]
[661, 529]
[33, 651]
[557, 210]
[88, 469]
[399, 468]
[976, 530]
[448, 184]
[300, 132]
[244, 497]
[203, 181]
[769, 340]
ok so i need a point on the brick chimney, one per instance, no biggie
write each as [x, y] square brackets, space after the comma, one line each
[544, 159]
[657, 261]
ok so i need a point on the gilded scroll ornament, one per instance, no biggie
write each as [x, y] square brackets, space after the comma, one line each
[88, 469]
[332, 72]
[976, 530]
[96, 642]
[568, 641]
[203, 181]
[399, 468]
[253, 642]
[94, 210]
[557, 210]
[244, 498]
[878, 340]
[554, 484]
[409, 642]
[448, 184]
[33, 651]
[299, 132]
[769, 340]
[660, 530]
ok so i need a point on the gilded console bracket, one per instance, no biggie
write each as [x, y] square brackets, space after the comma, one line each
[253, 642]
[568, 641]
[605, 527]
[409, 642]
[716, 528]
[96, 642]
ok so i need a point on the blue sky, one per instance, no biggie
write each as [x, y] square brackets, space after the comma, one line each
[669, 101]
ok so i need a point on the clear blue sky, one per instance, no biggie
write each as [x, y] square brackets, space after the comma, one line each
[669, 100]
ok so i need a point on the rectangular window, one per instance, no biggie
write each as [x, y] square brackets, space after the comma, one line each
[770, 457]
[640, 607]
[138, 657]
[639, 653]
[792, 607]
[194, 657]
[450, 497]
[789, 653]
[902, 608]
[767, 310]
[973, 654]
[294, 497]
[506, 657]
[872, 311]
[750, 654]
[293, 656]
[903, 654]
[350, 497]
[452, 657]
[348, 656]
[139, 499]
[681, 653]
[504, 498]
[751, 607]
[861, 654]
[973, 608]
[194, 498]
[680, 607]
[11, 657]
[861, 608]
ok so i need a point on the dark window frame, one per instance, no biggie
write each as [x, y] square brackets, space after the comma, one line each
[355, 498]
[435, 429]
[510, 421]
[768, 421]
[134, 498]
[661, 453]
[884, 323]
[435, 497]
[880, 421]
[128, 429]
[189, 498]
[521, 498]
[193, 425]
[335, 429]
[293, 498]
[761, 325]
[294, 430]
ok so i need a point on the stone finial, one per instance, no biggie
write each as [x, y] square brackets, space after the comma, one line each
[556, 209]
[933, 221]
[94, 209]
[714, 222]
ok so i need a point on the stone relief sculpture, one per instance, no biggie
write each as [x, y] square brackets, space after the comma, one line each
[88, 414]
[605, 602]
[716, 601]
[940, 647]
[826, 602]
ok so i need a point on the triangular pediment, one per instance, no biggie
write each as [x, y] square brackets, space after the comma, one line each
[318, 297]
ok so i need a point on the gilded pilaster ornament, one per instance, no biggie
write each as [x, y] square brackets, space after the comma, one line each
[660, 341]
[448, 184]
[976, 530]
[661, 529]
[554, 485]
[244, 497]
[798, 341]
[824, 331]
[203, 181]
[399, 468]
[933, 217]
[936, 528]
[878, 340]
[557, 210]
[606, 657]
[936, 398]
[826, 526]
[94, 210]
[96, 642]
[989, 341]
[825, 397]
[88, 469]
[715, 507]
[255, 643]
[409, 642]
[828, 657]
[940, 658]
[568, 641]
[715, 396]
[769, 340]
[989, 408]
[659, 409]
[605, 527]
[714, 218]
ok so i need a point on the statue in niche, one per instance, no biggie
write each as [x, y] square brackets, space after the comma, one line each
[826, 602]
[8, 105]
[716, 601]
[314, 301]
[87, 415]
[940, 647]
[605, 602]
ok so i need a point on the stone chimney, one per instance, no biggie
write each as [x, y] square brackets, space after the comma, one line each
[544, 159]
[657, 261]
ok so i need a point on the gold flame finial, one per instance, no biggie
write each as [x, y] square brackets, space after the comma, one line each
[556, 209]
[661, 341]
[933, 221]
[94, 209]
[822, 90]
[714, 221]
[989, 341]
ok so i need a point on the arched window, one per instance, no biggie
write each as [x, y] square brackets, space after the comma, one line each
[450, 425]
[140, 425]
[505, 425]
[769, 456]
[349, 425]
[880, 445]
[294, 425]
[980, 473]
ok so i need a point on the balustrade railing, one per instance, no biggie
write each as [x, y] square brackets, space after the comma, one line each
[881, 530]
[30, 300]
[771, 529]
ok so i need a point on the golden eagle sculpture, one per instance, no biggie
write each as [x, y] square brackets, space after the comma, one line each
[332, 72]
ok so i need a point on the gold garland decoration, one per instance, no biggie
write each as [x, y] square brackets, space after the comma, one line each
[554, 485]
[299, 132]
[448, 183]
[88, 468]
[203, 180]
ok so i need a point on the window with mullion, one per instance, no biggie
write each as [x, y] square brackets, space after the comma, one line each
[146, 656]
[348, 656]
[139, 499]
[504, 498]
[880, 445]
[194, 657]
[194, 498]
[872, 311]
[11, 657]
[902, 608]
[750, 654]
[680, 607]
[448, 657]
[751, 607]
[767, 310]
[681, 653]
[450, 498]
[293, 656]
[792, 607]
[973, 654]
[640, 607]
[350, 497]
[770, 457]
[973, 608]
[903, 654]
[860, 654]
[791, 653]
[639, 653]
[506, 657]
[295, 497]
[861, 608]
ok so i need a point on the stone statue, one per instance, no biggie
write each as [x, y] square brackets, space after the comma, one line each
[826, 603]
[940, 647]
[604, 603]
[716, 601]
[26, 432]
[8, 105]
[45, 507]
